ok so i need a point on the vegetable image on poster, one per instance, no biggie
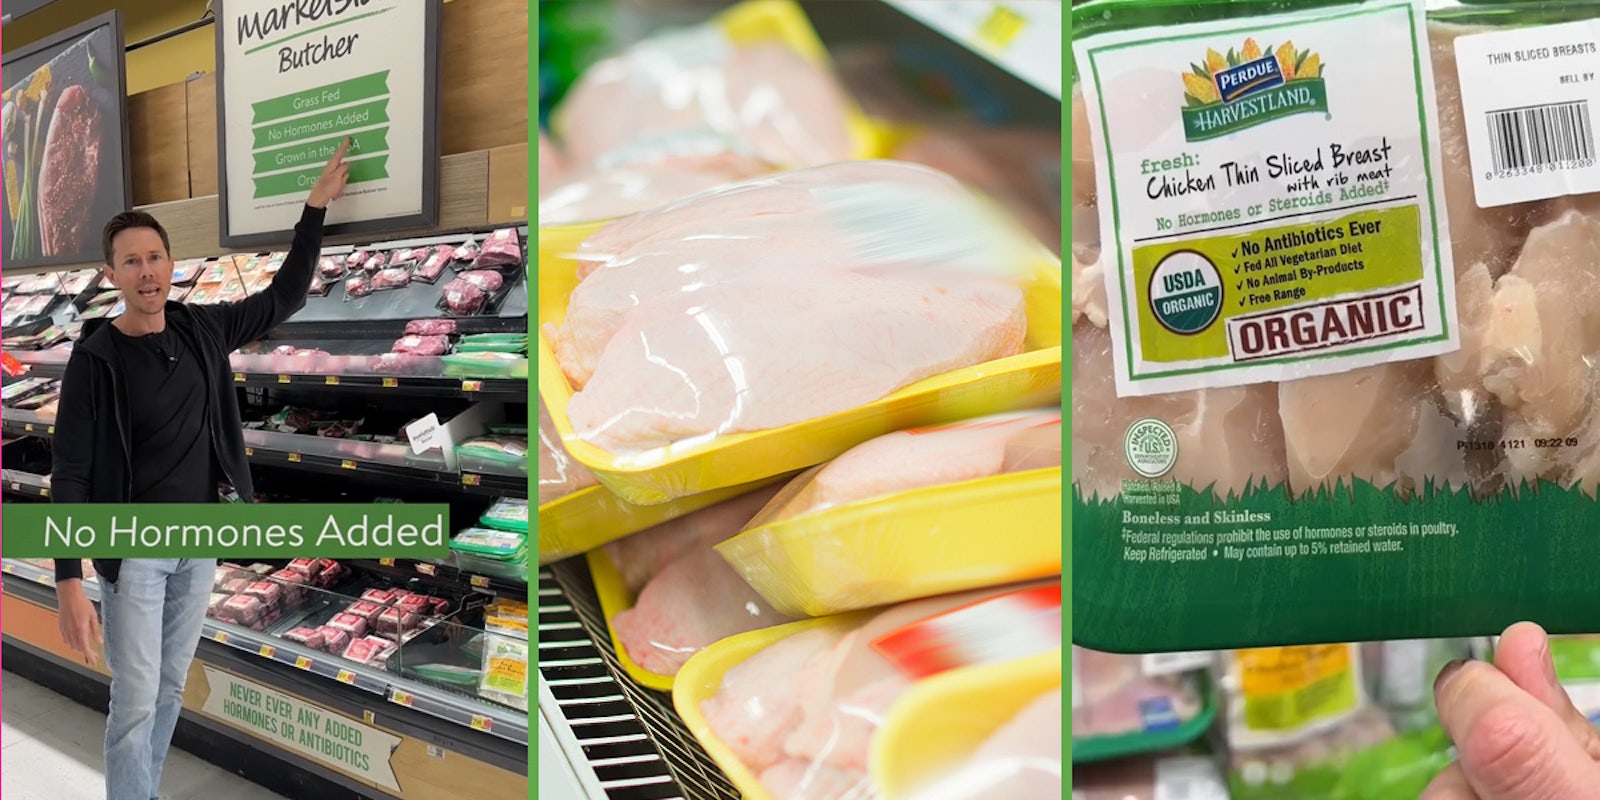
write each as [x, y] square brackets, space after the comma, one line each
[297, 79]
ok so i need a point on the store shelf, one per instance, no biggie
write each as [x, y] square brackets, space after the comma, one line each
[319, 455]
[25, 484]
[1022, 37]
[17, 422]
[443, 573]
[630, 737]
[485, 718]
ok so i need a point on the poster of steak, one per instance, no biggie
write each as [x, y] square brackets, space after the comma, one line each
[65, 154]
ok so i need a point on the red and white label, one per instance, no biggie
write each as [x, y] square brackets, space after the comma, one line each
[1005, 628]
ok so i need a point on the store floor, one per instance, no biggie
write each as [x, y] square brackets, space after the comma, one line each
[51, 748]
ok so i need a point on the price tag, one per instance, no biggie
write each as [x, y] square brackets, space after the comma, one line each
[479, 581]
[8, 569]
[390, 383]
[401, 698]
[387, 562]
[469, 479]
[428, 434]
[347, 464]
[44, 492]
[1001, 27]
[331, 380]
[249, 451]
[294, 458]
[238, 377]
[302, 662]
[267, 651]
[346, 676]
[368, 717]
[50, 431]
[482, 723]
[221, 637]
[27, 427]
[472, 386]
[427, 569]
[283, 379]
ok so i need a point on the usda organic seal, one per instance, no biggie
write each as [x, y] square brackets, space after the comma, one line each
[1186, 292]
[1151, 447]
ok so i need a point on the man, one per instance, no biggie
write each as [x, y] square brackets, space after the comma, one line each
[148, 414]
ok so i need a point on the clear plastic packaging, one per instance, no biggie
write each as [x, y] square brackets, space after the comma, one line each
[1344, 460]
[559, 474]
[644, 175]
[503, 248]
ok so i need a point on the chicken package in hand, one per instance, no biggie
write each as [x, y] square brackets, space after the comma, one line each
[912, 514]
[764, 326]
[791, 713]
[755, 73]
[1330, 264]
[666, 594]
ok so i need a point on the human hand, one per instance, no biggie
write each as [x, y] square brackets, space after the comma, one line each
[330, 186]
[80, 625]
[1517, 734]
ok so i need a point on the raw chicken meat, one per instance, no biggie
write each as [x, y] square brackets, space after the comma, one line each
[913, 459]
[1228, 439]
[1542, 341]
[1019, 168]
[789, 109]
[1019, 761]
[552, 167]
[642, 556]
[605, 193]
[716, 361]
[695, 602]
[794, 779]
[748, 716]
[1353, 425]
[1118, 698]
[559, 473]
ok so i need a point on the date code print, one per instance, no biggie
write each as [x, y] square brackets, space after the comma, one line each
[1517, 444]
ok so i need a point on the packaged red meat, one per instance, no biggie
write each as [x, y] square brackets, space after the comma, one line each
[310, 567]
[408, 257]
[395, 621]
[414, 603]
[422, 345]
[214, 606]
[352, 624]
[365, 649]
[463, 298]
[331, 574]
[438, 606]
[330, 269]
[319, 287]
[313, 638]
[1117, 695]
[357, 258]
[400, 364]
[294, 585]
[382, 597]
[366, 610]
[376, 261]
[335, 640]
[235, 585]
[486, 279]
[670, 297]
[431, 327]
[357, 285]
[466, 252]
[435, 264]
[769, 95]
[225, 573]
[391, 278]
[270, 593]
[242, 609]
[503, 248]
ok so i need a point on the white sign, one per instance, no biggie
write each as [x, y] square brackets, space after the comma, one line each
[294, 79]
[299, 727]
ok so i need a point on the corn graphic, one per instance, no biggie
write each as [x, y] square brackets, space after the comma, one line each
[1251, 52]
[1199, 88]
[1286, 60]
[1312, 68]
[1215, 63]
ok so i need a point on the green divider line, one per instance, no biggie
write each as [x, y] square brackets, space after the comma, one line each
[334, 94]
[330, 123]
[367, 169]
[318, 152]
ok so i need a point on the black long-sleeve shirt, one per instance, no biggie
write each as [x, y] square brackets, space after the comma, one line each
[96, 459]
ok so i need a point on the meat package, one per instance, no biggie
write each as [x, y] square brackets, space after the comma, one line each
[330, 269]
[357, 285]
[367, 649]
[366, 610]
[788, 108]
[270, 594]
[408, 257]
[355, 259]
[353, 624]
[559, 473]
[382, 597]
[642, 182]
[413, 344]
[376, 260]
[391, 278]
[309, 567]
[431, 327]
[646, 554]
[499, 250]
[1119, 698]
[294, 585]
[463, 298]
[434, 264]
[1402, 443]
[242, 609]
[393, 622]
[215, 604]
[688, 319]
[313, 638]
[801, 713]
[335, 640]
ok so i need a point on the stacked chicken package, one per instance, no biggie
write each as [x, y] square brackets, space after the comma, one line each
[800, 411]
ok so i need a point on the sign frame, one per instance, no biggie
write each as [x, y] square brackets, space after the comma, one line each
[425, 217]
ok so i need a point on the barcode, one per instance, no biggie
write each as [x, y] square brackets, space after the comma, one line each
[1551, 136]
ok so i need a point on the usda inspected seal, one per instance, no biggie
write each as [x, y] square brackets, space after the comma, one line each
[1186, 292]
[1151, 448]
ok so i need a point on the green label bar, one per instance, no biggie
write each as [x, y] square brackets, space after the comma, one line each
[365, 87]
[318, 152]
[231, 530]
[366, 169]
[1216, 120]
[329, 123]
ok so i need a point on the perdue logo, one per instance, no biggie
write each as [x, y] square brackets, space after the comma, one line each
[1250, 87]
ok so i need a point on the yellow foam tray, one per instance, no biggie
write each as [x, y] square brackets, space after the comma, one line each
[905, 546]
[594, 516]
[941, 721]
[1028, 380]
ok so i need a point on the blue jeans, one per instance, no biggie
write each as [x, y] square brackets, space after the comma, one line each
[151, 619]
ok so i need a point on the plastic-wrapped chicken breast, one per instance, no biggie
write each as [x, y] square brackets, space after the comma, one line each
[645, 554]
[1020, 761]
[648, 175]
[559, 473]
